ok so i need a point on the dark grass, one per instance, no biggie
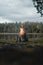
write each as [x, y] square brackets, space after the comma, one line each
[10, 55]
[31, 41]
[21, 53]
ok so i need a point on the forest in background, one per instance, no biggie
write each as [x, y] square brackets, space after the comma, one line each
[30, 27]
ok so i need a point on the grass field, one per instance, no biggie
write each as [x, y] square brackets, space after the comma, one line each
[31, 41]
[21, 53]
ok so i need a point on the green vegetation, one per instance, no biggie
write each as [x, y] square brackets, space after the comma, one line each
[32, 41]
[30, 27]
[39, 6]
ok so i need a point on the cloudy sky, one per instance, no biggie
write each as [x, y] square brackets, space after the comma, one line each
[18, 10]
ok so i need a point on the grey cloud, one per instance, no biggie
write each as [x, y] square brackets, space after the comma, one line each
[27, 3]
[18, 10]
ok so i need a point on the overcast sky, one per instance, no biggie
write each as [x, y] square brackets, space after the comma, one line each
[18, 10]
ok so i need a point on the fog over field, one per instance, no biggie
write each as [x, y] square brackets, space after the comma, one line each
[18, 10]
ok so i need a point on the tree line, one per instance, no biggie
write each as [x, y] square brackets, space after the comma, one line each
[30, 27]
